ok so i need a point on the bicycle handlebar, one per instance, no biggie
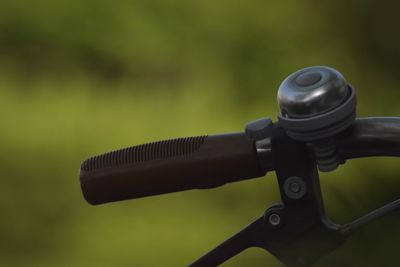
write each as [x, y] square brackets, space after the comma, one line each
[211, 161]
[169, 166]
[368, 137]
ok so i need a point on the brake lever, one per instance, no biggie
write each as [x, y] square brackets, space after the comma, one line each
[297, 244]
[300, 244]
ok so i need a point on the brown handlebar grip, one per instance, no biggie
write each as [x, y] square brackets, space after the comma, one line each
[169, 166]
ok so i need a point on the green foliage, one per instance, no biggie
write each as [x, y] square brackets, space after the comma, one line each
[79, 78]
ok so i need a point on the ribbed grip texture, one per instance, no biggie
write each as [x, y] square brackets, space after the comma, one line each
[169, 166]
[146, 152]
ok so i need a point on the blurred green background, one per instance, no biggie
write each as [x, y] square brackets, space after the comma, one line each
[79, 78]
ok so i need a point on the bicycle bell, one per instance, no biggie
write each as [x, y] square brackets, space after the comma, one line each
[316, 103]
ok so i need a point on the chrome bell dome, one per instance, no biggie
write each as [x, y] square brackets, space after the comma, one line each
[315, 103]
[312, 91]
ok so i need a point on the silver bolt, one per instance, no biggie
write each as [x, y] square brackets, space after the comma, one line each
[274, 219]
[295, 187]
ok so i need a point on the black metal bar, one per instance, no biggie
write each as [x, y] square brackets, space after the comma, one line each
[244, 239]
[367, 137]
[376, 214]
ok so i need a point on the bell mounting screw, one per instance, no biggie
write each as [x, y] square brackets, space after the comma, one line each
[316, 103]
